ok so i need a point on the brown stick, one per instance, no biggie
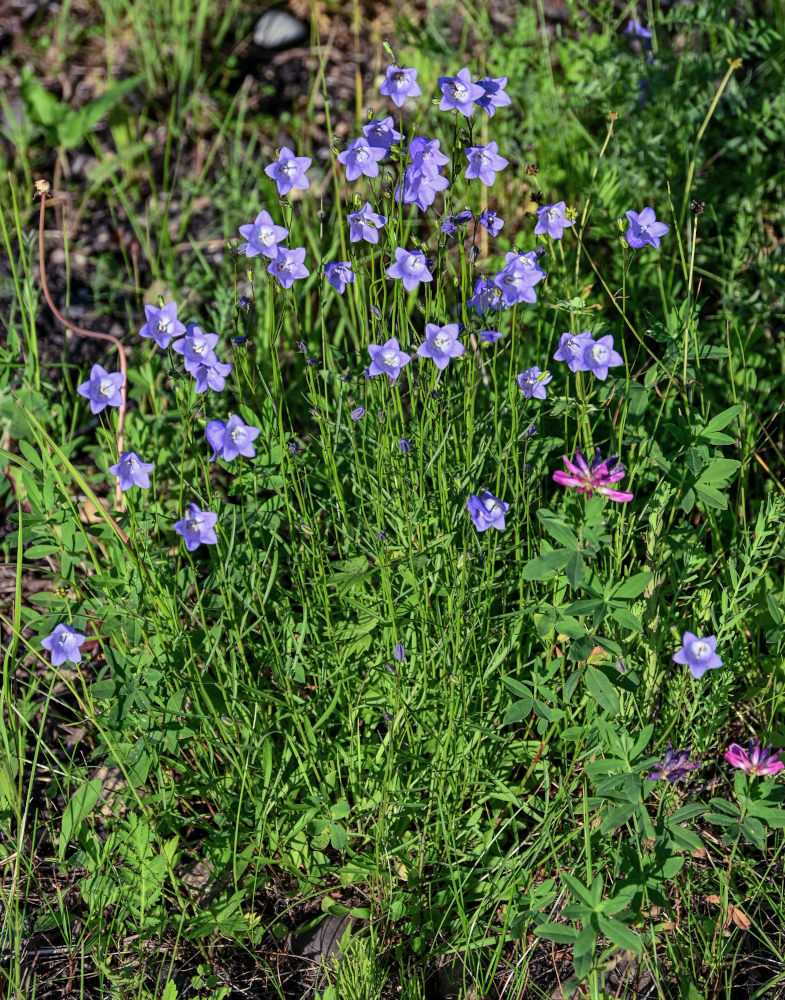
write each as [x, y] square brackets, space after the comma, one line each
[42, 187]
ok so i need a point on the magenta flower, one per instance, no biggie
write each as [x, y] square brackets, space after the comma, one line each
[197, 527]
[162, 324]
[644, 229]
[411, 267]
[262, 236]
[675, 765]
[387, 359]
[400, 84]
[755, 759]
[484, 162]
[288, 171]
[361, 158]
[699, 654]
[552, 219]
[102, 388]
[594, 478]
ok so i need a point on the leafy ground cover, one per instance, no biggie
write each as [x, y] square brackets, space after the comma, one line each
[400, 586]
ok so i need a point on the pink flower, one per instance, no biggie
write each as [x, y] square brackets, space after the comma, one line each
[596, 477]
[755, 759]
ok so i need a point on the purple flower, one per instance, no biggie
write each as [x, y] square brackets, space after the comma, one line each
[102, 388]
[484, 161]
[487, 511]
[387, 359]
[162, 324]
[288, 266]
[426, 155]
[420, 187]
[411, 267]
[552, 219]
[196, 348]
[636, 28]
[132, 471]
[518, 277]
[364, 224]
[399, 653]
[197, 527]
[674, 766]
[380, 133]
[339, 275]
[212, 376]
[699, 654]
[262, 236]
[489, 336]
[63, 644]
[572, 348]
[288, 171]
[360, 157]
[441, 344]
[532, 383]
[230, 439]
[357, 413]
[400, 84]
[599, 356]
[644, 229]
[459, 92]
[492, 222]
[594, 478]
[494, 95]
[404, 445]
[754, 760]
[485, 296]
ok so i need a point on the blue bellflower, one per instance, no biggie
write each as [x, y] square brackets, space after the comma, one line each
[644, 229]
[197, 348]
[63, 644]
[459, 93]
[484, 162]
[381, 133]
[230, 439]
[441, 344]
[360, 158]
[288, 266]
[132, 471]
[699, 654]
[487, 511]
[400, 84]
[162, 324]
[387, 359]
[262, 236]
[494, 95]
[552, 219]
[197, 527]
[288, 171]
[365, 224]
[492, 222]
[102, 389]
[532, 383]
[411, 267]
[339, 274]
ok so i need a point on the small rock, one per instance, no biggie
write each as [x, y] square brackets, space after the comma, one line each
[278, 29]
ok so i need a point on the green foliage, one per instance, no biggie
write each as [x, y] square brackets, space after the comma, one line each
[242, 710]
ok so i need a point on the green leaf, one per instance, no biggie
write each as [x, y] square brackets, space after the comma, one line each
[633, 587]
[42, 107]
[772, 817]
[338, 836]
[77, 810]
[627, 619]
[617, 817]
[516, 687]
[560, 933]
[721, 420]
[601, 689]
[556, 527]
[518, 711]
[619, 934]
[546, 565]
[578, 889]
[719, 470]
[575, 570]
[710, 496]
